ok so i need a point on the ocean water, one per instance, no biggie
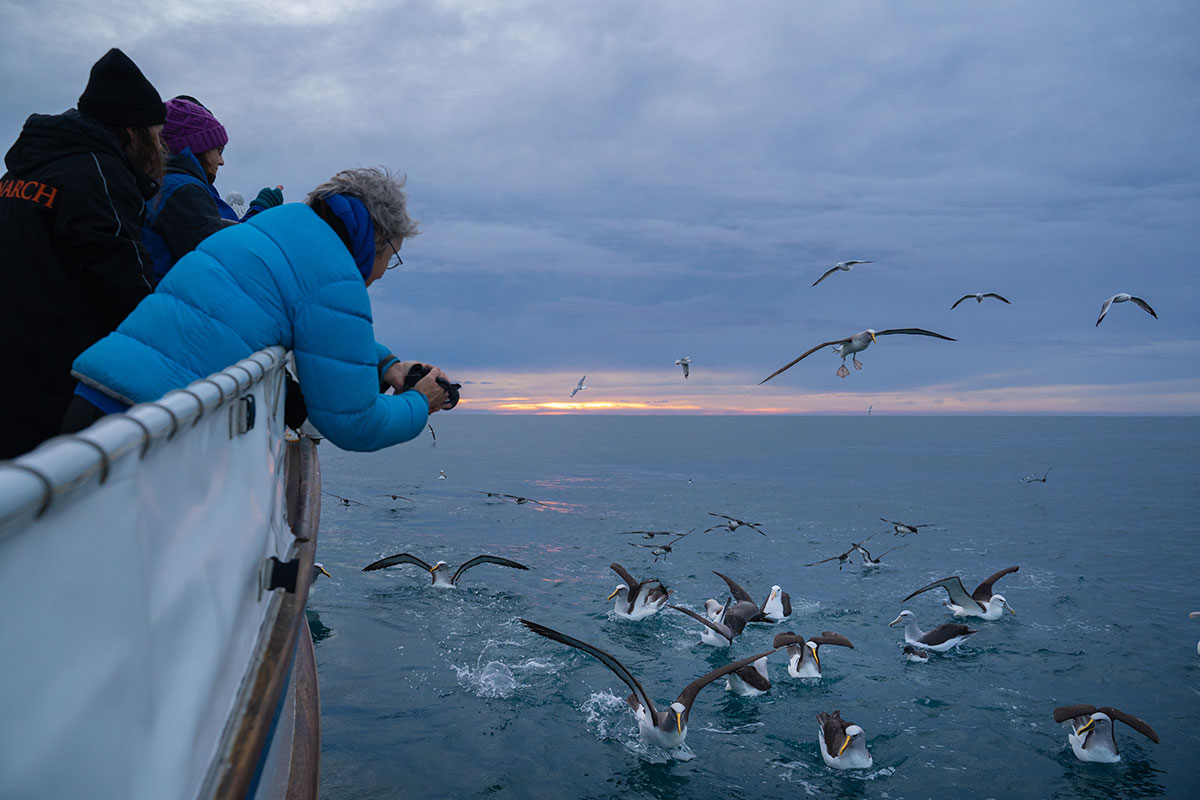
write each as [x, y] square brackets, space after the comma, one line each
[436, 693]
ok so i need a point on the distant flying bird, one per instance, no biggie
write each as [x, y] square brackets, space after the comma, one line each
[579, 387]
[980, 603]
[1092, 735]
[346, 501]
[868, 559]
[841, 558]
[843, 744]
[869, 410]
[1031, 478]
[1124, 298]
[979, 298]
[396, 497]
[441, 474]
[940, 639]
[661, 550]
[844, 266]
[851, 345]
[733, 524]
[433, 433]
[439, 571]
[515, 498]
[649, 534]
[684, 362]
[666, 729]
[903, 528]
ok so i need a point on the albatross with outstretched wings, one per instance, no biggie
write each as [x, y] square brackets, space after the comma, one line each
[980, 603]
[853, 344]
[440, 571]
[978, 297]
[844, 266]
[1122, 297]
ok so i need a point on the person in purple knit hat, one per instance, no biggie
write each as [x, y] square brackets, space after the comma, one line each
[189, 209]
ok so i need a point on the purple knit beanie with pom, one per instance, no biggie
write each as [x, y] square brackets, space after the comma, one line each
[191, 125]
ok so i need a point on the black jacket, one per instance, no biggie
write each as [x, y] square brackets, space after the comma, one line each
[189, 215]
[72, 264]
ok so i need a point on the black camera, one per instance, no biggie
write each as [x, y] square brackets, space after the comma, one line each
[418, 371]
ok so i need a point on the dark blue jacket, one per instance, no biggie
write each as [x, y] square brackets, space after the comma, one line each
[184, 213]
[282, 278]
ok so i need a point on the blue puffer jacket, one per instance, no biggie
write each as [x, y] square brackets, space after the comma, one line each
[283, 278]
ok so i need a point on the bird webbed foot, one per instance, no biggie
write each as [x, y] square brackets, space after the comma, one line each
[857, 364]
[842, 371]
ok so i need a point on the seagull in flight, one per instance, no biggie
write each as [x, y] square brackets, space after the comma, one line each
[1125, 298]
[844, 266]
[979, 298]
[904, 528]
[1031, 478]
[661, 550]
[733, 524]
[684, 362]
[579, 387]
[855, 343]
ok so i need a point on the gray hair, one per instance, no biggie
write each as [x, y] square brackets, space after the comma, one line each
[383, 195]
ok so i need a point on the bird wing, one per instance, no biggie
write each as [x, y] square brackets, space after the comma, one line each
[688, 695]
[787, 603]
[831, 558]
[722, 516]
[946, 632]
[504, 562]
[685, 369]
[998, 297]
[1064, 713]
[914, 332]
[604, 658]
[1104, 310]
[954, 587]
[983, 592]
[801, 357]
[719, 628]
[1137, 724]
[833, 730]
[959, 300]
[739, 614]
[628, 579]
[1144, 306]
[829, 272]
[829, 637]
[399, 558]
[734, 589]
[786, 639]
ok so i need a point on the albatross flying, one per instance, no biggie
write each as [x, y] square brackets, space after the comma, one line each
[852, 344]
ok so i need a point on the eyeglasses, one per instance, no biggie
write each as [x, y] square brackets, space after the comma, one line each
[397, 261]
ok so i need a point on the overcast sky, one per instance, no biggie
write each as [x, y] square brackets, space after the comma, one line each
[604, 187]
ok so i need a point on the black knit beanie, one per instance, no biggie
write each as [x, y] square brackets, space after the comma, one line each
[118, 94]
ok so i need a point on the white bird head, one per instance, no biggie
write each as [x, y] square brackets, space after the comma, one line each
[905, 617]
[998, 599]
[852, 733]
[440, 566]
[621, 589]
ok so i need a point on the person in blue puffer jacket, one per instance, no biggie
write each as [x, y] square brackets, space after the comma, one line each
[297, 276]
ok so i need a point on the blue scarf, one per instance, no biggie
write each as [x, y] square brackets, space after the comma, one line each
[354, 216]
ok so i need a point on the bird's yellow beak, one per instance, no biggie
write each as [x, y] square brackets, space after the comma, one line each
[817, 659]
[679, 723]
[1012, 610]
[842, 749]
[1087, 727]
[323, 572]
[432, 570]
[873, 338]
[614, 594]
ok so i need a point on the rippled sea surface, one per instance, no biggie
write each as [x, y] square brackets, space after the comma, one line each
[436, 693]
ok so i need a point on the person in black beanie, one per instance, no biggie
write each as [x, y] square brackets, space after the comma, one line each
[72, 262]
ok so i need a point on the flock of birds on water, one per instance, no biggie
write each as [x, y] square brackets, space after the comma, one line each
[848, 346]
[842, 743]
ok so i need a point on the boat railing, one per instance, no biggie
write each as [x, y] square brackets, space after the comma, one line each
[147, 648]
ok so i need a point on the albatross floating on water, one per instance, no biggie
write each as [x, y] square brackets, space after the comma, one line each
[939, 640]
[637, 599]
[728, 625]
[749, 681]
[1092, 736]
[666, 729]
[776, 608]
[844, 266]
[855, 343]
[684, 362]
[980, 603]
[843, 744]
[1125, 298]
[978, 296]
[804, 659]
[439, 572]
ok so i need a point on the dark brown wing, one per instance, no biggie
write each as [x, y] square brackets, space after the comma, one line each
[1144, 306]
[829, 637]
[829, 272]
[983, 592]
[739, 614]
[688, 695]
[1137, 724]
[914, 332]
[604, 658]
[627, 578]
[719, 628]
[801, 357]
[734, 589]
[399, 558]
[504, 562]
[753, 678]
[786, 638]
[1064, 713]
[959, 300]
[998, 297]
[833, 729]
